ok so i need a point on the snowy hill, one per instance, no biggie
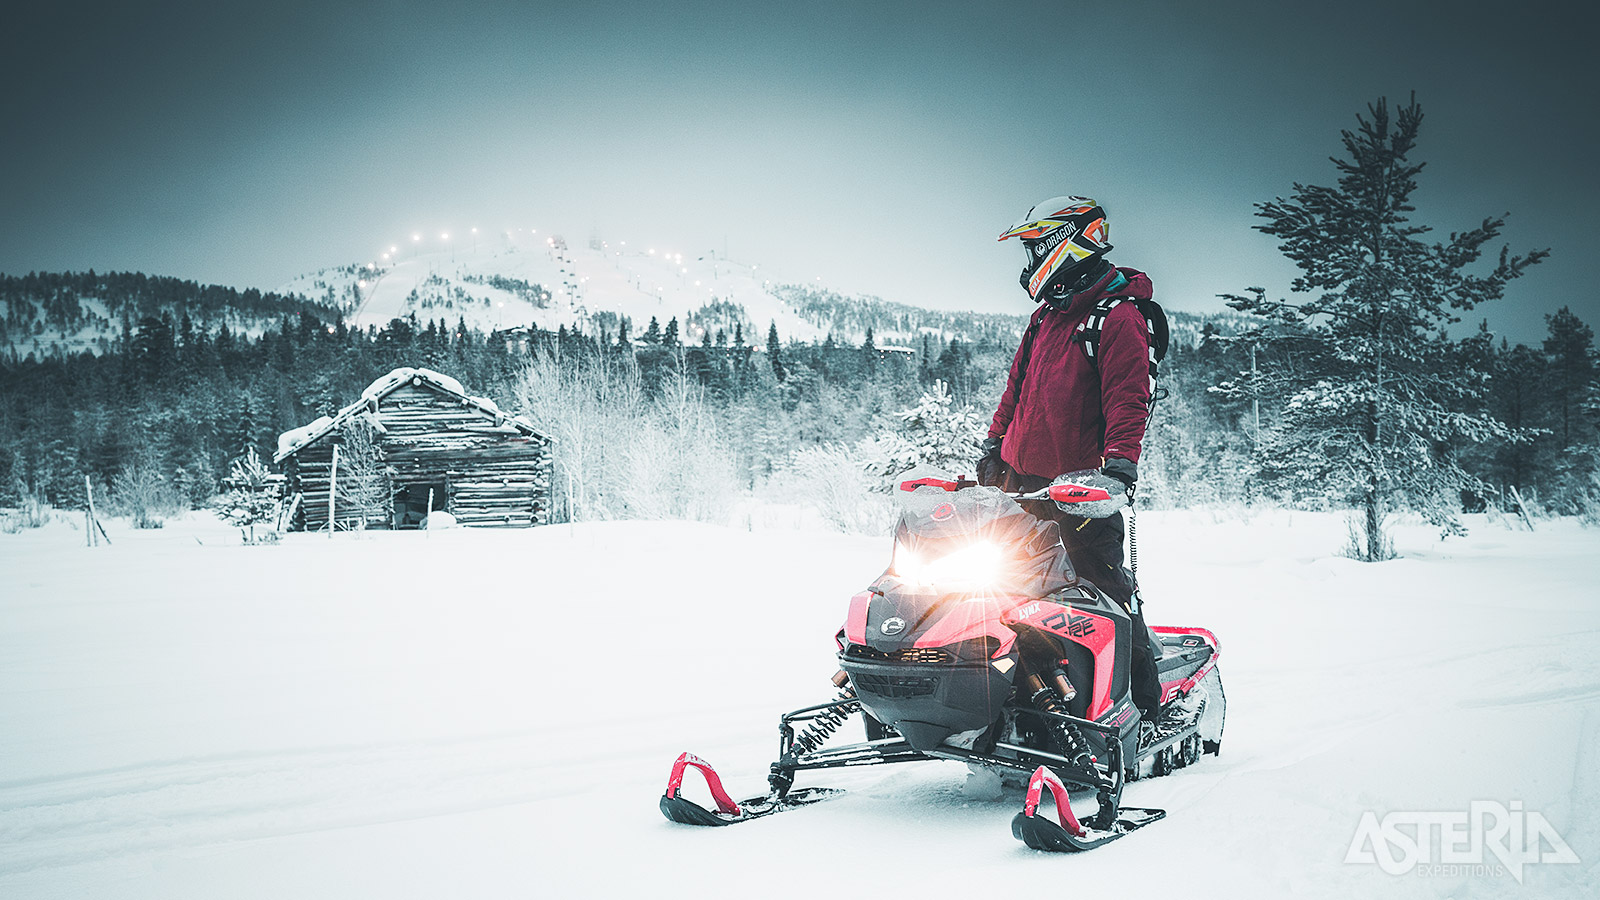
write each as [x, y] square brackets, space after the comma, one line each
[358, 717]
[525, 277]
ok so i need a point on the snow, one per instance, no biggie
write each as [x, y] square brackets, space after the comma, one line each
[384, 383]
[294, 437]
[483, 713]
[633, 281]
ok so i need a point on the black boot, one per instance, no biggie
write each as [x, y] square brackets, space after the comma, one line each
[1146, 681]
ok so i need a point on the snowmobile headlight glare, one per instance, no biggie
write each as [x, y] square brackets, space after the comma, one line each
[973, 567]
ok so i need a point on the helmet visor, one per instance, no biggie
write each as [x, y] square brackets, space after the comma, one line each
[1029, 256]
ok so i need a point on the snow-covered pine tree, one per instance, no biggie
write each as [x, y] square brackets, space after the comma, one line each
[775, 352]
[1375, 400]
[933, 432]
[251, 499]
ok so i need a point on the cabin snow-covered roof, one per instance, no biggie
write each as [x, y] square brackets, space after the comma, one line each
[296, 438]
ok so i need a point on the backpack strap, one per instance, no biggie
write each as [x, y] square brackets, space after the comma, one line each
[1026, 351]
[1093, 327]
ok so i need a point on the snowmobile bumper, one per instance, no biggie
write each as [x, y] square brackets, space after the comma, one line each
[928, 703]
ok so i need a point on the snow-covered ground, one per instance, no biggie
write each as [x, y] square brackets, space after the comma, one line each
[492, 714]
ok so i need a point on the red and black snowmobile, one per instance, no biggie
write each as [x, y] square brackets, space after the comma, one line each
[981, 644]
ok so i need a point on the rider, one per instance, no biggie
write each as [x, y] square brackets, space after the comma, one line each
[1065, 412]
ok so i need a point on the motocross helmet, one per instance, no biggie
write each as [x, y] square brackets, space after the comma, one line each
[1063, 237]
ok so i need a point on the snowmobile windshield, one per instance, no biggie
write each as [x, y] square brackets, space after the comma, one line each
[979, 541]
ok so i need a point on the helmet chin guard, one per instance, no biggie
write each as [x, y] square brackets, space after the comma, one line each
[1062, 237]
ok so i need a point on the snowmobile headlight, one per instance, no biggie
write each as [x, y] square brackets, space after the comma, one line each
[974, 567]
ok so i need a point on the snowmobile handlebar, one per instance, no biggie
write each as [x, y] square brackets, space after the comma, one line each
[1090, 493]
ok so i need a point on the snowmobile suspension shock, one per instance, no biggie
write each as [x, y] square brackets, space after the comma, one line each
[828, 721]
[825, 723]
[1049, 700]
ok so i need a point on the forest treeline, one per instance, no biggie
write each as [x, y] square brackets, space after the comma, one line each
[173, 404]
[36, 304]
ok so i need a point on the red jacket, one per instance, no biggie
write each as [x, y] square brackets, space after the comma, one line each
[1065, 413]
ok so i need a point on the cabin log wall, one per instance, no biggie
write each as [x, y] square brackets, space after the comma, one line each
[492, 472]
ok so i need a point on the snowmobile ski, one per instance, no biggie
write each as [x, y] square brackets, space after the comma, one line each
[1070, 836]
[728, 812]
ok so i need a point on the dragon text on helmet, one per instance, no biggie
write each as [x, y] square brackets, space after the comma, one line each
[1054, 239]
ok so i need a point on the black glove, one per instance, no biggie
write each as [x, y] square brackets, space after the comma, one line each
[991, 468]
[1123, 470]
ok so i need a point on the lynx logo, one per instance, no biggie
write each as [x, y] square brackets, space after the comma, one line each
[893, 625]
[943, 511]
[1403, 841]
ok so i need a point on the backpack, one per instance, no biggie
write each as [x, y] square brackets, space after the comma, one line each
[1155, 321]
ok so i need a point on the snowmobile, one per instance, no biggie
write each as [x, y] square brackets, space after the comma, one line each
[980, 643]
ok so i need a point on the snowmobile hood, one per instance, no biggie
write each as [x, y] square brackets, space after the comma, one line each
[935, 523]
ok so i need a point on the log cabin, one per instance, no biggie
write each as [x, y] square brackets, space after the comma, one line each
[435, 449]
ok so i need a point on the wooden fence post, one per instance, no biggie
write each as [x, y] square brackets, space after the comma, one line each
[93, 520]
[333, 487]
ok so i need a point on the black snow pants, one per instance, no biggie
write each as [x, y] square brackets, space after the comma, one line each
[1095, 548]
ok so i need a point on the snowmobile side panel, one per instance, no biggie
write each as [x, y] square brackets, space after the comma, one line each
[1189, 639]
[1096, 632]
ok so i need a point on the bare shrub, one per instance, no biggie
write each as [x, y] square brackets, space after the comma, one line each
[143, 494]
[32, 511]
[619, 454]
[834, 480]
[366, 484]
[1368, 544]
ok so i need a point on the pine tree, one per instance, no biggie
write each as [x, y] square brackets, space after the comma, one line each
[652, 334]
[1370, 412]
[1570, 349]
[1572, 391]
[252, 498]
[669, 338]
[775, 352]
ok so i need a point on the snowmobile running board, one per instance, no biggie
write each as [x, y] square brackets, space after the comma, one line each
[1070, 836]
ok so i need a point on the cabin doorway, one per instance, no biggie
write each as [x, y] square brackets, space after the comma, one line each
[411, 503]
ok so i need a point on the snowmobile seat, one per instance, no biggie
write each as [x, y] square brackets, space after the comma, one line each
[1157, 648]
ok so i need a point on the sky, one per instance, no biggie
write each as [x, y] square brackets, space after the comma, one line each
[878, 147]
